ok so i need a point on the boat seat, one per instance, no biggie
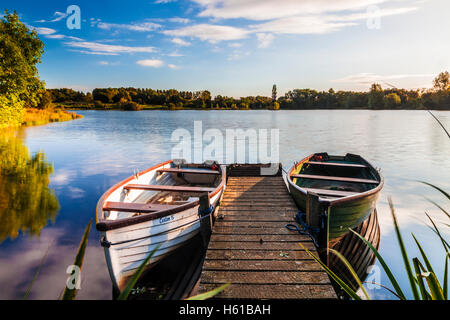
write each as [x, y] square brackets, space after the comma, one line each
[326, 192]
[335, 164]
[136, 207]
[332, 178]
[168, 188]
[195, 171]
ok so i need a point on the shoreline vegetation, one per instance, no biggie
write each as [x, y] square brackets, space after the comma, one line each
[136, 99]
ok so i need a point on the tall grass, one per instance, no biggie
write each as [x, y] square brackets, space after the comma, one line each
[36, 117]
[423, 280]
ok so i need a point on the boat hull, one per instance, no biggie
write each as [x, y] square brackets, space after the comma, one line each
[343, 213]
[139, 240]
[129, 238]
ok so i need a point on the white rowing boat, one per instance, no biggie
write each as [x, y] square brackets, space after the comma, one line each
[157, 207]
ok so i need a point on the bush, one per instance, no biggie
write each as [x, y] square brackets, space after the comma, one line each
[11, 110]
[99, 105]
[131, 106]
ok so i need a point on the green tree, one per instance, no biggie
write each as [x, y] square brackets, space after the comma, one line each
[20, 52]
[376, 97]
[392, 101]
[274, 92]
[442, 81]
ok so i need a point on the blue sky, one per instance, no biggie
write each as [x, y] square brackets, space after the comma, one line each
[241, 47]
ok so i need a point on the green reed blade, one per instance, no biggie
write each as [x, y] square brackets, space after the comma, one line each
[210, 294]
[130, 285]
[404, 253]
[434, 286]
[437, 188]
[70, 294]
[444, 243]
[445, 281]
[424, 256]
[36, 274]
[352, 271]
[437, 205]
[419, 279]
[386, 269]
[338, 280]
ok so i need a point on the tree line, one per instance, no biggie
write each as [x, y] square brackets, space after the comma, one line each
[377, 98]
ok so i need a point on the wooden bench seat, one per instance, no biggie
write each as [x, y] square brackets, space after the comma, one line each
[326, 192]
[168, 188]
[195, 171]
[335, 164]
[332, 178]
[136, 207]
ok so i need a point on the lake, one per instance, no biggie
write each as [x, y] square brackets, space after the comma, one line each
[92, 154]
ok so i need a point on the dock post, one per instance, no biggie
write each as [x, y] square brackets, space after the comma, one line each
[313, 210]
[205, 214]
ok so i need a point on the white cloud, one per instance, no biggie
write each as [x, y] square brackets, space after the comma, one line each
[209, 32]
[43, 31]
[164, 1]
[154, 63]
[275, 9]
[57, 17]
[179, 20]
[181, 42]
[364, 80]
[172, 66]
[106, 49]
[264, 39]
[139, 27]
[175, 54]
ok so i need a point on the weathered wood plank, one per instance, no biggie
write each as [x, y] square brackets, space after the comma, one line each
[276, 291]
[263, 237]
[259, 255]
[265, 277]
[266, 265]
[258, 246]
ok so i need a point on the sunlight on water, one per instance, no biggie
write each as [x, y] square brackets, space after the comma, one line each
[91, 154]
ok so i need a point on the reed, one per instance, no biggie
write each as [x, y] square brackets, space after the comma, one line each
[36, 117]
[423, 280]
[70, 294]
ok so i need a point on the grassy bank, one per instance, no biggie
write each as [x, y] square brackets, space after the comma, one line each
[36, 117]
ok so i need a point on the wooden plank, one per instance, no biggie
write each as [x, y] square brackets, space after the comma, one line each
[136, 207]
[263, 237]
[273, 265]
[265, 277]
[195, 171]
[275, 291]
[332, 178]
[230, 245]
[258, 255]
[335, 164]
[327, 192]
[168, 188]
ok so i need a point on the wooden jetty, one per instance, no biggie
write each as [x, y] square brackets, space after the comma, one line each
[251, 248]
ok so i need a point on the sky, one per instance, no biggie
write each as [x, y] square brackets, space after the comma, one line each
[240, 47]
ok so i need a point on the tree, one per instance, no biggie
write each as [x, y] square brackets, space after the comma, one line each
[442, 82]
[392, 101]
[376, 97]
[274, 92]
[20, 52]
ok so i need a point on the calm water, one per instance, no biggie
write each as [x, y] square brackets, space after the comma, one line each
[91, 154]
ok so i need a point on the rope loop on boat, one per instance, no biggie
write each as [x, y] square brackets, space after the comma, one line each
[206, 211]
[306, 230]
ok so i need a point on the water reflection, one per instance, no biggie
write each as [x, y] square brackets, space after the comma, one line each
[26, 201]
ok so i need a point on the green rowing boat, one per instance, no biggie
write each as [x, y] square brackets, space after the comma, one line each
[335, 192]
